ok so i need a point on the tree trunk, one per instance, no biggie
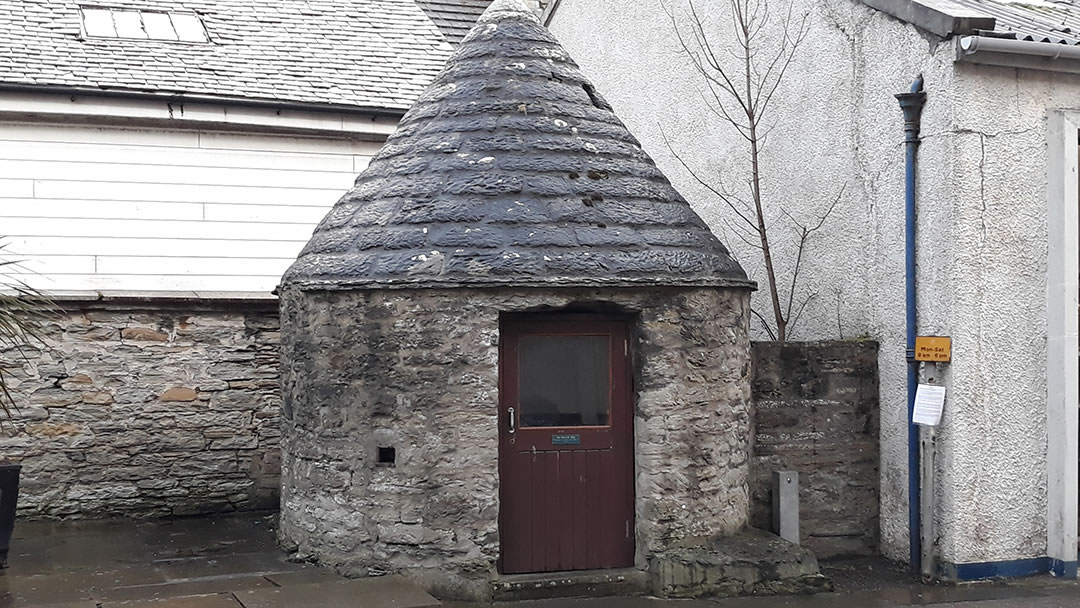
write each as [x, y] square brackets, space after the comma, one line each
[781, 322]
[755, 185]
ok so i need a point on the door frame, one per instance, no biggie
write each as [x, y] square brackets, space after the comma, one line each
[1062, 345]
[629, 390]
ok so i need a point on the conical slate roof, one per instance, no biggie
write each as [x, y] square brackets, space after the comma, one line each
[511, 170]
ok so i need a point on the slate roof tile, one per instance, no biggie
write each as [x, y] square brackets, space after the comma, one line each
[366, 53]
[454, 17]
[507, 176]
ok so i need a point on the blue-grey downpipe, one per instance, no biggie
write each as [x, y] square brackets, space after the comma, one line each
[912, 104]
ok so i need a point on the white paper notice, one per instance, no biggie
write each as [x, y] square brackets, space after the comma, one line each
[929, 402]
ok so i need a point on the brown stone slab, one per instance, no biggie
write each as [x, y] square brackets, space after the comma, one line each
[376, 592]
[206, 586]
[222, 600]
[304, 577]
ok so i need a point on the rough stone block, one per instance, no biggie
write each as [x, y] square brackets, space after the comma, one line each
[234, 443]
[54, 430]
[751, 562]
[100, 398]
[144, 334]
[53, 397]
[179, 393]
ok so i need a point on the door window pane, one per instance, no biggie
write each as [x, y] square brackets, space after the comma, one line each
[564, 380]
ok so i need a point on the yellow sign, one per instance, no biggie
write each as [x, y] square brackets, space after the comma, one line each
[933, 348]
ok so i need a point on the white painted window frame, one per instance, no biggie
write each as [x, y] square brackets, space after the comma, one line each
[1063, 347]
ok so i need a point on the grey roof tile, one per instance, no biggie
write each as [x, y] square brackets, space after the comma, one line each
[454, 17]
[382, 54]
[1033, 20]
[506, 176]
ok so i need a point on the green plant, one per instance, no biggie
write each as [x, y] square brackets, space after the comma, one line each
[24, 313]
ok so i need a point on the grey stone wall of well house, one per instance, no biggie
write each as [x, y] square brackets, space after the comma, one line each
[151, 408]
[816, 412]
[417, 370]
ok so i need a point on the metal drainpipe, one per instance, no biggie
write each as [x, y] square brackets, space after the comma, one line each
[912, 104]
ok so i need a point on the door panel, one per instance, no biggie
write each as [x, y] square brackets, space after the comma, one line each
[566, 445]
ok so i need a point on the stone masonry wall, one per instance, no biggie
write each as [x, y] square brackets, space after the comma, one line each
[816, 412]
[147, 409]
[417, 370]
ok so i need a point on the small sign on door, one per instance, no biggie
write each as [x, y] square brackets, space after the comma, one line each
[566, 439]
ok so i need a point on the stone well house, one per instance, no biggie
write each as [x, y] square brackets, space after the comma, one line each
[512, 347]
[161, 165]
[996, 229]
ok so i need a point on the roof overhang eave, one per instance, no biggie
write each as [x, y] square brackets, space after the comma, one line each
[939, 17]
[181, 97]
[1048, 56]
[343, 284]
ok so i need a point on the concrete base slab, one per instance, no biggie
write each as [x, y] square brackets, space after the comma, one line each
[752, 562]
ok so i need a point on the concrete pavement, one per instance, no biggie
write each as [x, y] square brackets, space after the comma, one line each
[233, 562]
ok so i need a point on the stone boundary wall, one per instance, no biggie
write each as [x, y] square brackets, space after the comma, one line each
[148, 408]
[816, 412]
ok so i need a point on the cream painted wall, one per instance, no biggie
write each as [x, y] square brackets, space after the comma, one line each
[990, 268]
[182, 206]
[982, 229]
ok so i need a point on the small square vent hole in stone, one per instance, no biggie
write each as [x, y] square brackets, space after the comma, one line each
[386, 457]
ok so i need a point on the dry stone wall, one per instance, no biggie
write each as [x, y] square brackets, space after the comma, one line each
[816, 412]
[147, 409]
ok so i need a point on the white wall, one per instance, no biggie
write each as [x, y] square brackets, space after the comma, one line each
[166, 208]
[982, 229]
[990, 279]
[837, 125]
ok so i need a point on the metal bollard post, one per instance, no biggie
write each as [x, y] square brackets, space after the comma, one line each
[785, 505]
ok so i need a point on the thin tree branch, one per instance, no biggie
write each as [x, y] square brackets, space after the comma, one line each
[764, 324]
[747, 240]
[802, 307]
[698, 179]
[804, 233]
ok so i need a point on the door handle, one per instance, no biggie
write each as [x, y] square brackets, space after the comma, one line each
[513, 423]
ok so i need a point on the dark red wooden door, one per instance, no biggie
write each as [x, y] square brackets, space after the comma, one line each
[566, 465]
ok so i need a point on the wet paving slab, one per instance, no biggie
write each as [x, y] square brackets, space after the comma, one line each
[233, 562]
[207, 562]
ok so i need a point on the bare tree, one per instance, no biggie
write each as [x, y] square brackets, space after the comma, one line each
[742, 76]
